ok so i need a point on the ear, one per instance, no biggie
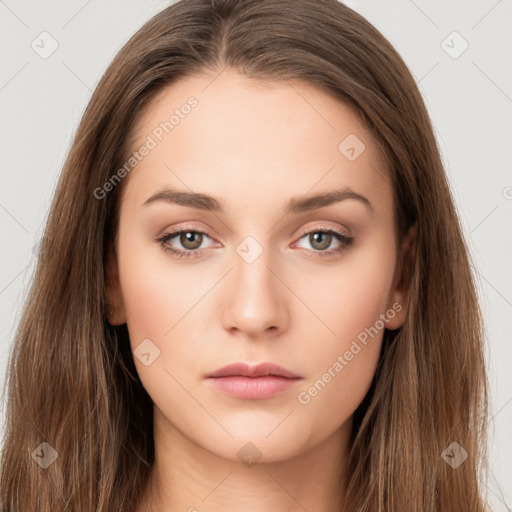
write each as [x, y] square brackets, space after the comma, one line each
[399, 295]
[116, 314]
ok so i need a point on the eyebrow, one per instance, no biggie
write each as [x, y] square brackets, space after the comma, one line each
[295, 205]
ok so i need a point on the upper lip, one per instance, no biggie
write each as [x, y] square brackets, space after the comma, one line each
[259, 370]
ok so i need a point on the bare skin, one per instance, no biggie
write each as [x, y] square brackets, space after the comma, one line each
[255, 146]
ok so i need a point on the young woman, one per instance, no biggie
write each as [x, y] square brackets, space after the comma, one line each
[255, 294]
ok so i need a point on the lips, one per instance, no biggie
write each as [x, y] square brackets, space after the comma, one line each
[259, 370]
[258, 382]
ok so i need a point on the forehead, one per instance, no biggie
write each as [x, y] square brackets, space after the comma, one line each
[235, 136]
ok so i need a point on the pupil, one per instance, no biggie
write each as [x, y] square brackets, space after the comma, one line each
[188, 242]
[317, 239]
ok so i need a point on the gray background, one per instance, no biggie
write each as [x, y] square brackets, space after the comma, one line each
[469, 98]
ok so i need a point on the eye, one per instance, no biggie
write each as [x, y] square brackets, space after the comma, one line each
[322, 239]
[190, 239]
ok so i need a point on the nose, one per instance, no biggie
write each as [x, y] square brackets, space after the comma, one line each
[255, 297]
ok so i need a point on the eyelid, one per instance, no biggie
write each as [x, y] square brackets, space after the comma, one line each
[181, 228]
[346, 234]
[345, 239]
[303, 231]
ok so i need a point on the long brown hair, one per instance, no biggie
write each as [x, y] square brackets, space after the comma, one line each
[71, 379]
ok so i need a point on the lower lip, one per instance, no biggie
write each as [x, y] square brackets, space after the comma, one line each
[253, 388]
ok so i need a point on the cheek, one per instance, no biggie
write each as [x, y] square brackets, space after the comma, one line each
[342, 364]
[156, 291]
[350, 296]
[162, 305]
[148, 303]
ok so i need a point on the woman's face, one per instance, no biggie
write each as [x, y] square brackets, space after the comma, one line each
[273, 275]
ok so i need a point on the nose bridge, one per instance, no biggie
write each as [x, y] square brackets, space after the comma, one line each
[255, 303]
[252, 267]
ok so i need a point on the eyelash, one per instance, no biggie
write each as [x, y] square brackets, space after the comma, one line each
[345, 240]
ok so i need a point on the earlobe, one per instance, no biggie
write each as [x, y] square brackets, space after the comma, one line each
[396, 312]
[399, 297]
[115, 311]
